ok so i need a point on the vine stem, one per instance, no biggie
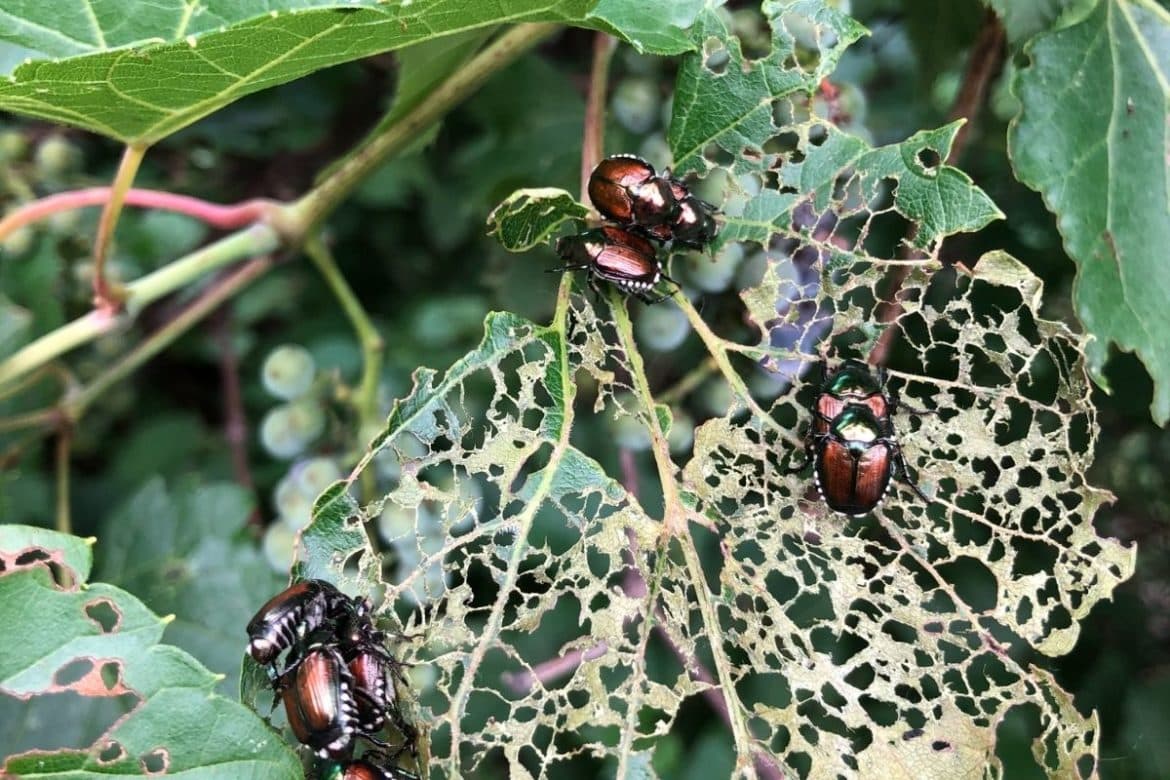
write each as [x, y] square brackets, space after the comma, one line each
[302, 217]
[987, 57]
[674, 522]
[105, 298]
[64, 445]
[229, 217]
[258, 239]
[372, 345]
[522, 526]
[76, 403]
[235, 423]
[718, 351]
[594, 130]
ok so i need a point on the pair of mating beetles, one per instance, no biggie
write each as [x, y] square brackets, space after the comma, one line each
[338, 680]
[644, 206]
[851, 442]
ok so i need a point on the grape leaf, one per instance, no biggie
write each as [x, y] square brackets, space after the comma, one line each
[530, 217]
[99, 642]
[182, 550]
[138, 73]
[1092, 137]
[539, 593]
[723, 99]
[658, 26]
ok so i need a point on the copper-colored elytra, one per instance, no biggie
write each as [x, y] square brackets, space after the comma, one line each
[318, 702]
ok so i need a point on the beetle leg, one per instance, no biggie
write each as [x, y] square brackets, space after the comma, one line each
[652, 299]
[578, 267]
[904, 477]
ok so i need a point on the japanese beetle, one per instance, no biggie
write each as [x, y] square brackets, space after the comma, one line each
[854, 459]
[618, 256]
[852, 383]
[694, 225]
[364, 768]
[317, 689]
[374, 671]
[626, 189]
[294, 613]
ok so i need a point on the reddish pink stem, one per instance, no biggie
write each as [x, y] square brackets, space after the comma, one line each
[236, 215]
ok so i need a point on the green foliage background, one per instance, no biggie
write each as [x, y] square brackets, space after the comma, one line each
[1069, 149]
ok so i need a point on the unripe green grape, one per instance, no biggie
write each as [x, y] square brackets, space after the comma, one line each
[682, 433]
[640, 64]
[280, 546]
[766, 385]
[635, 104]
[294, 507]
[13, 145]
[715, 396]
[55, 157]
[308, 418]
[666, 115]
[629, 433]
[314, 475]
[751, 270]
[288, 371]
[713, 274]
[655, 151]
[755, 37]
[945, 89]
[1004, 104]
[662, 327]
[423, 677]
[18, 242]
[396, 523]
[386, 465]
[64, 223]
[287, 429]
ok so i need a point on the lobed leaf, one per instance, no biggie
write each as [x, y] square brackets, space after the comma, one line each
[139, 73]
[1092, 138]
[99, 642]
[530, 217]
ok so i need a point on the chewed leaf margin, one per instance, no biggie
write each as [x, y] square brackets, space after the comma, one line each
[108, 645]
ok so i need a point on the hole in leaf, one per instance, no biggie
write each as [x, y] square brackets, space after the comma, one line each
[715, 56]
[111, 752]
[929, 159]
[104, 614]
[154, 762]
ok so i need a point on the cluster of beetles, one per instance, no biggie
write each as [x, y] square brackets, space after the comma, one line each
[337, 681]
[641, 207]
[851, 442]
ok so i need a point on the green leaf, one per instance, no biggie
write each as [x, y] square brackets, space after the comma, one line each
[530, 217]
[73, 553]
[183, 550]
[1092, 138]
[139, 73]
[940, 199]
[99, 642]
[651, 26]
[1025, 18]
[723, 99]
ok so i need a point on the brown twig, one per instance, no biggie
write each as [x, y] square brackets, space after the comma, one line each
[986, 60]
[592, 142]
[235, 423]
